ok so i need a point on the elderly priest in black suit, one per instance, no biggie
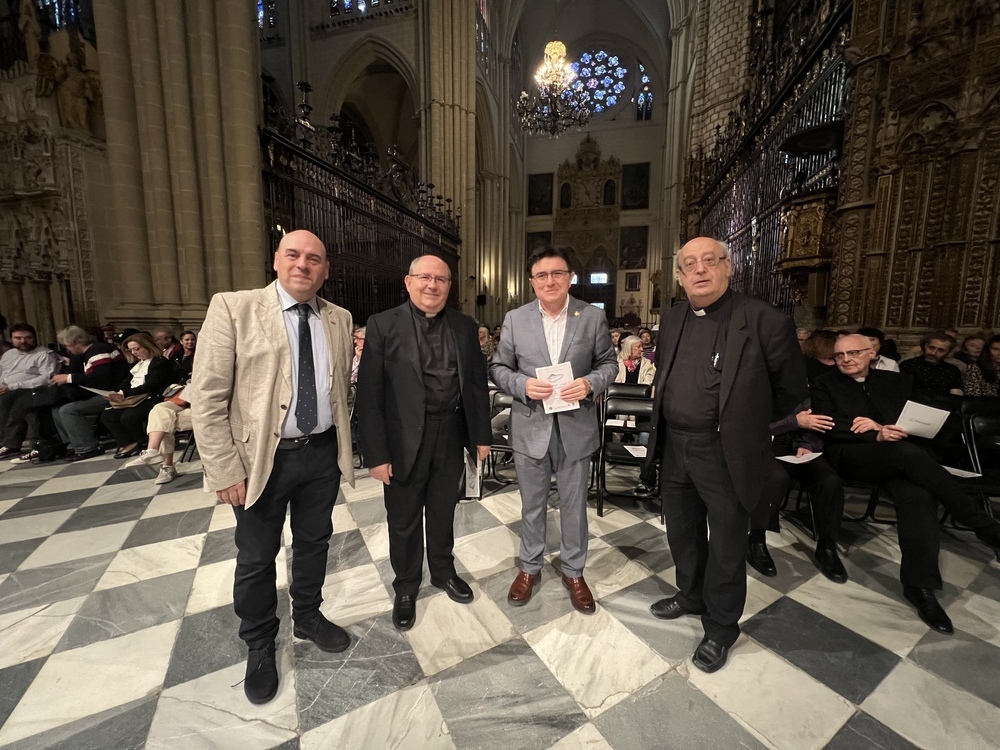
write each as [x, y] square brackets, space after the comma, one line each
[726, 366]
[422, 397]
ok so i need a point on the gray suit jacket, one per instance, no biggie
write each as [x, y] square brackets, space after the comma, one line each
[522, 349]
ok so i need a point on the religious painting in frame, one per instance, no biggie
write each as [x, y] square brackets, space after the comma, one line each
[635, 186]
[632, 281]
[632, 242]
[540, 194]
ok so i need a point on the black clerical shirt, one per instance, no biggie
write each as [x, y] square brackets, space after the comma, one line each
[438, 360]
[691, 398]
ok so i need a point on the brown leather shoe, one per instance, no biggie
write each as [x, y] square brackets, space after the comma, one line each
[579, 594]
[522, 588]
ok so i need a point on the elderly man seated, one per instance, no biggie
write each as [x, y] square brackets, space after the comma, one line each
[867, 446]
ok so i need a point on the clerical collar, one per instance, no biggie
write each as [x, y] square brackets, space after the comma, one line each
[288, 301]
[700, 312]
[417, 311]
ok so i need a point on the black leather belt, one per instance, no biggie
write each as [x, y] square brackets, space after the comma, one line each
[296, 443]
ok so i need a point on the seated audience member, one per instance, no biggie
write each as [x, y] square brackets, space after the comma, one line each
[24, 369]
[616, 338]
[92, 364]
[486, 342]
[802, 335]
[165, 418]
[169, 346]
[150, 375]
[819, 353]
[796, 435]
[932, 376]
[971, 348]
[109, 332]
[633, 367]
[865, 445]
[648, 344]
[189, 342]
[359, 347]
[890, 349]
[876, 338]
[981, 379]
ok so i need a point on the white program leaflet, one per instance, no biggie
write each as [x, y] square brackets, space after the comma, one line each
[921, 421]
[639, 451]
[98, 391]
[558, 376]
[800, 459]
[961, 472]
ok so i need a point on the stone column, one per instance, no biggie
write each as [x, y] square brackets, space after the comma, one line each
[181, 93]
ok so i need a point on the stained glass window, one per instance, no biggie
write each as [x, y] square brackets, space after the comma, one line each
[355, 6]
[603, 74]
[266, 15]
[644, 96]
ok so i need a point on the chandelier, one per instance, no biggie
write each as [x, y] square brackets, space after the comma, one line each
[561, 102]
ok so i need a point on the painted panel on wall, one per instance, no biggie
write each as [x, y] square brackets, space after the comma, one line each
[540, 194]
[635, 186]
[633, 247]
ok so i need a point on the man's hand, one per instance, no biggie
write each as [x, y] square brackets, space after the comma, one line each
[537, 389]
[235, 495]
[864, 424]
[575, 391]
[890, 433]
[382, 473]
[59, 380]
[802, 452]
[3, 389]
[817, 422]
[482, 451]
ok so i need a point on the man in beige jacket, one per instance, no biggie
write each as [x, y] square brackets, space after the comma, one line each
[270, 416]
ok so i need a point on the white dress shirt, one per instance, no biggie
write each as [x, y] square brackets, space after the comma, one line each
[555, 331]
[23, 370]
[884, 363]
[321, 364]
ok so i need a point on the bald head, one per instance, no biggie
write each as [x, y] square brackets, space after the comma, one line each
[301, 264]
[428, 283]
[703, 268]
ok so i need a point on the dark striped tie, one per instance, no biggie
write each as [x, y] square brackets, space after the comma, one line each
[306, 410]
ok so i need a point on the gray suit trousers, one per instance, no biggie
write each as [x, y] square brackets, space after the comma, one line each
[534, 476]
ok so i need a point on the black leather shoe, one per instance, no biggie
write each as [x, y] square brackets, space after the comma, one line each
[930, 611]
[644, 490]
[669, 609]
[326, 635]
[261, 682]
[456, 589]
[404, 612]
[830, 564]
[760, 559]
[710, 656]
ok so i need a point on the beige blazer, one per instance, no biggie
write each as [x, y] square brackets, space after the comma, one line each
[242, 386]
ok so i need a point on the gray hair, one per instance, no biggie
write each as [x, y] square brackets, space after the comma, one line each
[625, 346]
[723, 246]
[74, 335]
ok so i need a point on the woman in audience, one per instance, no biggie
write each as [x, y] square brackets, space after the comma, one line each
[648, 344]
[486, 342]
[165, 418]
[189, 341]
[819, 353]
[633, 367]
[972, 347]
[616, 339]
[981, 378]
[151, 373]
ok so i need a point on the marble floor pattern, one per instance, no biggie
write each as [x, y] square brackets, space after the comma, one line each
[118, 632]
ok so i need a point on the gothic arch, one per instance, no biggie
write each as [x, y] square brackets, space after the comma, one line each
[352, 64]
[486, 141]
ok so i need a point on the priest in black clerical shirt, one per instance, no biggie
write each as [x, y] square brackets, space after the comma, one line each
[422, 397]
[726, 366]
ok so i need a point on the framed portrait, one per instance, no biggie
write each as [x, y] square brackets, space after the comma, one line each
[540, 194]
[632, 244]
[635, 186]
[632, 281]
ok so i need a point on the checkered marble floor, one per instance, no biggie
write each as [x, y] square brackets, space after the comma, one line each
[118, 632]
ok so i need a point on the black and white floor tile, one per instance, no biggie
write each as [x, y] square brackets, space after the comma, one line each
[118, 632]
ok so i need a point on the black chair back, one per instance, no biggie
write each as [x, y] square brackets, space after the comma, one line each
[628, 390]
[640, 408]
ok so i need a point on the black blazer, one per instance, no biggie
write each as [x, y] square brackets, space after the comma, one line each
[161, 373]
[842, 398]
[763, 378]
[390, 400]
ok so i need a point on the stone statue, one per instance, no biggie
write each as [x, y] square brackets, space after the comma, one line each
[31, 30]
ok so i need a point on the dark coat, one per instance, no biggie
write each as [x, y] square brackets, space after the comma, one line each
[161, 373]
[763, 378]
[390, 400]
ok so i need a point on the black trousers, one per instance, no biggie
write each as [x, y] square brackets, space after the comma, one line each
[307, 480]
[38, 401]
[826, 496]
[128, 426]
[427, 497]
[697, 494]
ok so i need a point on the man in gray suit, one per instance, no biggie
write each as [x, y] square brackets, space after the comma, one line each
[554, 329]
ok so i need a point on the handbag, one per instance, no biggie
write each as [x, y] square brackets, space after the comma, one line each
[129, 401]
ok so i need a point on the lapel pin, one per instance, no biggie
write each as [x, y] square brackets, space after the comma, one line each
[576, 314]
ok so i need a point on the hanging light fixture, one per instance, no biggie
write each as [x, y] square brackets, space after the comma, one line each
[561, 102]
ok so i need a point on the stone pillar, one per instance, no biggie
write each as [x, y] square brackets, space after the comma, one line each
[181, 102]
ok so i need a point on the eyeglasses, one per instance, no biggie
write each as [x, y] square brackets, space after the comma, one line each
[543, 276]
[709, 261]
[852, 354]
[426, 278]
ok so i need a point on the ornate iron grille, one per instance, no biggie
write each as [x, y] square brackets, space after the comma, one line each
[369, 238]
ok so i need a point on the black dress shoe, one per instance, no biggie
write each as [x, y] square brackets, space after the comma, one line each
[326, 635]
[404, 612]
[830, 564]
[669, 609]
[261, 683]
[85, 455]
[930, 611]
[644, 490]
[456, 589]
[760, 559]
[710, 656]
[129, 454]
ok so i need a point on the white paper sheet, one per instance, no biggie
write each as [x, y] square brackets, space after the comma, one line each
[620, 422]
[921, 421]
[961, 472]
[558, 376]
[98, 391]
[639, 451]
[800, 459]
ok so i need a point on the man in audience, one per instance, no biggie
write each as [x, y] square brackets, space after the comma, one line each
[23, 369]
[866, 445]
[725, 364]
[932, 376]
[422, 391]
[551, 330]
[169, 345]
[93, 364]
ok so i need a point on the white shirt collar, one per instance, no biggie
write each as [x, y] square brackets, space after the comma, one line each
[554, 317]
[288, 301]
